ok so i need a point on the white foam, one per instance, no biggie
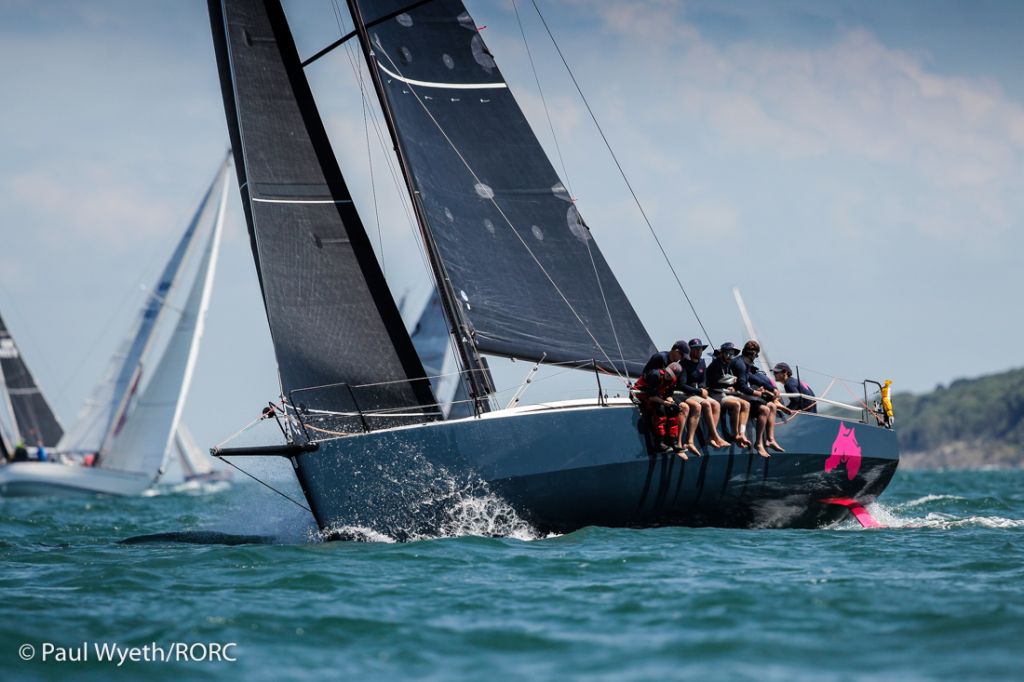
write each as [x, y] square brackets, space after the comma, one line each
[948, 522]
[890, 517]
[931, 498]
[352, 533]
[484, 515]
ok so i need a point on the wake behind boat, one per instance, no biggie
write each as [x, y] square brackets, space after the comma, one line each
[129, 425]
[518, 275]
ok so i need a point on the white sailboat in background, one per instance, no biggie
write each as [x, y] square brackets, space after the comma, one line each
[196, 465]
[132, 421]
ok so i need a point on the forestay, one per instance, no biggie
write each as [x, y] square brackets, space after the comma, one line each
[520, 258]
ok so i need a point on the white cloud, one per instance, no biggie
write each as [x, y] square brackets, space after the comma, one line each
[93, 205]
[954, 145]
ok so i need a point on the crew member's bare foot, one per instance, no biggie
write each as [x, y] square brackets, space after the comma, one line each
[693, 448]
[774, 445]
[744, 441]
[761, 451]
[719, 443]
[682, 454]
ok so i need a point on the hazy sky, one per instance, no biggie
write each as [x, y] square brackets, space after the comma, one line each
[855, 168]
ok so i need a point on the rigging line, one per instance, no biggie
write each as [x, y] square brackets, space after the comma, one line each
[607, 309]
[544, 101]
[264, 484]
[508, 222]
[369, 155]
[410, 220]
[622, 172]
[373, 185]
[345, 37]
[390, 163]
[565, 174]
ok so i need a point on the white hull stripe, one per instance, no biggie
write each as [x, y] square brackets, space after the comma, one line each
[303, 201]
[447, 86]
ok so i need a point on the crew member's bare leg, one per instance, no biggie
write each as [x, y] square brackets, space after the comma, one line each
[771, 442]
[762, 419]
[741, 424]
[684, 411]
[692, 423]
[712, 415]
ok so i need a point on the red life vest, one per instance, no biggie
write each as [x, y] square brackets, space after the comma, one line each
[666, 382]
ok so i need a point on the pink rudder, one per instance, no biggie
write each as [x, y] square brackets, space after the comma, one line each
[846, 450]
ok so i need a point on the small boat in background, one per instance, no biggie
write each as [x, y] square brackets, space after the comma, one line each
[132, 421]
[196, 465]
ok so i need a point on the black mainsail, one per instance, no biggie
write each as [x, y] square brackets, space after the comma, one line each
[335, 326]
[519, 258]
[32, 415]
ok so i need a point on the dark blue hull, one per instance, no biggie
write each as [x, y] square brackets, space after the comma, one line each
[563, 469]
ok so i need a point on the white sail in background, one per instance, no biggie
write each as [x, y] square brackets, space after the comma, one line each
[748, 324]
[150, 423]
[6, 446]
[104, 411]
[193, 462]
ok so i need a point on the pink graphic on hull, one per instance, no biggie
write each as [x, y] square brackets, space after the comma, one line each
[845, 450]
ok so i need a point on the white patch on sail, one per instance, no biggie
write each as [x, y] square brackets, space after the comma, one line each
[303, 201]
[450, 86]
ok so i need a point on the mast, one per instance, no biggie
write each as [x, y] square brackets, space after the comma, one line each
[477, 376]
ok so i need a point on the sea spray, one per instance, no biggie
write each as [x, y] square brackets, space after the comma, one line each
[409, 497]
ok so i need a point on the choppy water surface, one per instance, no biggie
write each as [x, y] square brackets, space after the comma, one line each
[938, 595]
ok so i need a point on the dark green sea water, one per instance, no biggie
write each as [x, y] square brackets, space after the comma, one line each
[938, 595]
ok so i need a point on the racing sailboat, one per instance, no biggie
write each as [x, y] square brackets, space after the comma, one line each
[519, 275]
[130, 423]
[29, 417]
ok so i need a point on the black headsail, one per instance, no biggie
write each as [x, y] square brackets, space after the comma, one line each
[32, 415]
[332, 317]
[519, 258]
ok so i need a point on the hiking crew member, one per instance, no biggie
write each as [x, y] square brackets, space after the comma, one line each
[653, 391]
[746, 392]
[663, 359]
[765, 390]
[692, 383]
[721, 387]
[784, 375]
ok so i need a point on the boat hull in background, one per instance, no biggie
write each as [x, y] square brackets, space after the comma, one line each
[23, 479]
[565, 468]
